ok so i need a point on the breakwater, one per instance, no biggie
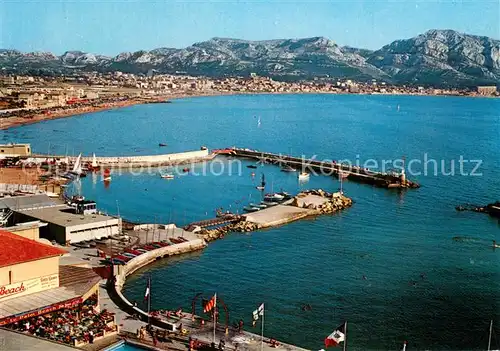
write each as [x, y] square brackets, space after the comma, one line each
[350, 172]
[305, 204]
[140, 161]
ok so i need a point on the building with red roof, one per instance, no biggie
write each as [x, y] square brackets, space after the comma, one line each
[32, 282]
[26, 266]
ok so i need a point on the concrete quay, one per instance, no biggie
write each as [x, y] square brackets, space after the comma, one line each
[139, 161]
[306, 204]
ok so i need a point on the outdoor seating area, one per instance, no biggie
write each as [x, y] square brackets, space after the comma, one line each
[77, 326]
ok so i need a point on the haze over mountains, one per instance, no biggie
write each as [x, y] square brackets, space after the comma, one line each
[437, 57]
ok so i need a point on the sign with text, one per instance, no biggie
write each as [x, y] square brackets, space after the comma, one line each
[28, 286]
[58, 306]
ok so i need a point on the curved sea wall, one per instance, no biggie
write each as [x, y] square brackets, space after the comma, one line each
[121, 272]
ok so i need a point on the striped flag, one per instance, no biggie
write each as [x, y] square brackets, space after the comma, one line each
[148, 289]
[211, 304]
[337, 336]
[258, 312]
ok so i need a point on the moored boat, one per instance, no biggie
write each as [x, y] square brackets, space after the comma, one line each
[262, 185]
[288, 168]
[303, 176]
[273, 197]
[250, 209]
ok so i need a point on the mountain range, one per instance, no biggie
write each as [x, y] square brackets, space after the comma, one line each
[436, 57]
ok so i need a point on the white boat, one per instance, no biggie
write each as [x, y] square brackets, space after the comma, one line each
[94, 162]
[167, 176]
[258, 122]
[273, 197]
[251, 209]
[303, 176]
[77, 167]
[344, 174]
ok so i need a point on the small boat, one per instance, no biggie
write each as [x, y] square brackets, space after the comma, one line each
[94, 167]
[162, 144]
[167, 176]
[303, 176]
[495, 245]
[262, 185]
[257, 205]
[106, 175]
[273, 197]
[344, 174]
[268, 204]
[77, 167]
[185, 170]
[251, 166]
[251, 209]
[288, 168]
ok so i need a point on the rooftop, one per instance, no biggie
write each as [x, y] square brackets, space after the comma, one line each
[16, 249]
[64, 216]
[20, 203]
[11, 340]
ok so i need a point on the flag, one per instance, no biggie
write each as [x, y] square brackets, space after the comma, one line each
[210, 304]
[336, 337]
[258, 312]
[148, 289]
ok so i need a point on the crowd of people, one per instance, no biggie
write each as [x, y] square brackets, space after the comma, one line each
[74, 326]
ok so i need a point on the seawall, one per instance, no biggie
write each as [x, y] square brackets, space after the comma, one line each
[138, 161]
[121, 272]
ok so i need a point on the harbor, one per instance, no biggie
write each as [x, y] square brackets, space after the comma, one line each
[280, 245]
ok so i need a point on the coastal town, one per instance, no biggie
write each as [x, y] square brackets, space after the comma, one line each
[78, 302]
[28, 99]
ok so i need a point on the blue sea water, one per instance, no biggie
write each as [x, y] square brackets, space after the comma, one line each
[397, 265]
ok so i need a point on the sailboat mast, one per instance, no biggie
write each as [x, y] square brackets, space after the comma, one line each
[345, 336]
[489, 339]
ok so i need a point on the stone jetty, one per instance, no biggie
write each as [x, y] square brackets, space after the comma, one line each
[305, 204]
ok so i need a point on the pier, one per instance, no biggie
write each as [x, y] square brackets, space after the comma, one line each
[136, 161]
[214, 222]
[354, 173]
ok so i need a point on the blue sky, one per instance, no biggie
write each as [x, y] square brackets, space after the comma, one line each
[110, 26]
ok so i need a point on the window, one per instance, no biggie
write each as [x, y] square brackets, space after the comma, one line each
[10, 274]
[1, 150]
[28, 149]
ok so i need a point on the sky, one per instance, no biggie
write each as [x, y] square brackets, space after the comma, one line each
[112, 26]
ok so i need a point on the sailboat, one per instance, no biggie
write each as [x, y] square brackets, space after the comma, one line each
[258, 122]
[262, 185]
[77, 167]
[94, 167]
[106, 175]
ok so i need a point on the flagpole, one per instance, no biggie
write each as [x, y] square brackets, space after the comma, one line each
[345, 336]
[489, 338]
[215, 317]
[149, 300]
[262, 332]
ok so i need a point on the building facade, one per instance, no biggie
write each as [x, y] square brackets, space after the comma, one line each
[13, 150]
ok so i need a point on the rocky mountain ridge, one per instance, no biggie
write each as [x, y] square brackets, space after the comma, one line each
[437, 57]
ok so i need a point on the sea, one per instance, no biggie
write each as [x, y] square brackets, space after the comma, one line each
[397, 265]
